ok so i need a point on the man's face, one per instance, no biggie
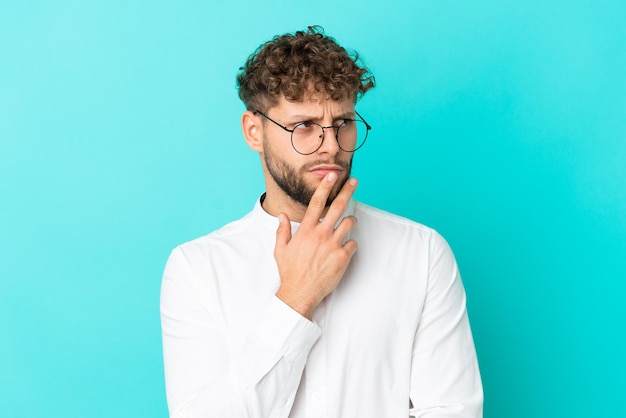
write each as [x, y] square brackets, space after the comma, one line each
[299, 175]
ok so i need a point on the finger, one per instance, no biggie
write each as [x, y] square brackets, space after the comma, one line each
[317, 205]
[339, 205]
[344, 227]
[350, 247]
[283, 233]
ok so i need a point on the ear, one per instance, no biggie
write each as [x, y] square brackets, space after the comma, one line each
[252, 128]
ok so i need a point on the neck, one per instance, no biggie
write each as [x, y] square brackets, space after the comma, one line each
[276, 202]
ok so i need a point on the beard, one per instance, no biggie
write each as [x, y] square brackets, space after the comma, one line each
[292, 182]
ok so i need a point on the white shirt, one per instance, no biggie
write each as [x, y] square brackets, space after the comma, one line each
[394, 332]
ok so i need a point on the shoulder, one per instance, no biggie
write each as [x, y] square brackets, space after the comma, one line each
[395, 229]
[204, 246]
[382, 218]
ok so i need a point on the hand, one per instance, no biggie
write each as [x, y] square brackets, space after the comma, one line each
[313, 261]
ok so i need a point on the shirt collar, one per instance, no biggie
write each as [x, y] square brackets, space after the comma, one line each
[268, 219]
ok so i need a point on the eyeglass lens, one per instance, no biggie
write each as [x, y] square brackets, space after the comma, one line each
[308, 137]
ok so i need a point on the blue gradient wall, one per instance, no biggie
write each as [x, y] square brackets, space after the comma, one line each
[501, 124]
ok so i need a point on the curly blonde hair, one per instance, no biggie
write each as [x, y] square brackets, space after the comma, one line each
[304, 63]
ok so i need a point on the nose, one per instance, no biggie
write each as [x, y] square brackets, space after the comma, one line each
[329, 141]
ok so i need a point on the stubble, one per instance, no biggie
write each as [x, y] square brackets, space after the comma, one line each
[292, 181]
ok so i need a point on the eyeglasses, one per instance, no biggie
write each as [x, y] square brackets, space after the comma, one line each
[308, 137]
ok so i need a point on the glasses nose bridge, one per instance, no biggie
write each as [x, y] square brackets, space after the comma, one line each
[323, 144]
[333, 127]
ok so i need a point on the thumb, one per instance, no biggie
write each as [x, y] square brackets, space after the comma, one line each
[283, 233]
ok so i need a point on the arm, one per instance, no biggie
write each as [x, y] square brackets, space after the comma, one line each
[207, 372]
[312, 262]
[209, 376]
[445, 380]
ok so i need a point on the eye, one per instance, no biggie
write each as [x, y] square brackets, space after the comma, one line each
[306, 127]
[347, 122]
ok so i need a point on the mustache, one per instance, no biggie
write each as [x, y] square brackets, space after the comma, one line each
[343, 164]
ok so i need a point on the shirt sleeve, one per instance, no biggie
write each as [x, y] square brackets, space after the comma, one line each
[210, 374]
[445, 379]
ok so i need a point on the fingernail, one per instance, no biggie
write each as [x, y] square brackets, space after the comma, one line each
[281, 218]
[332, 176]
[352, 182]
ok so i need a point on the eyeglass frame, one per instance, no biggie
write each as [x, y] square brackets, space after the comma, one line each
[336, 128]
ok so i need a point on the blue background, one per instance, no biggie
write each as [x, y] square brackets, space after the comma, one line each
[501, 124]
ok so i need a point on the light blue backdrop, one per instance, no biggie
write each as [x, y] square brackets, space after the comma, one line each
[501, 124]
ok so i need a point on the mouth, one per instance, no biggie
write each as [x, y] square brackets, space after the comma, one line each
[323, 169]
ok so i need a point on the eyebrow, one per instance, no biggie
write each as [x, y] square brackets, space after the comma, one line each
[302, 117]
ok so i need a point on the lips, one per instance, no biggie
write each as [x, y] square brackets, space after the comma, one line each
[323, 169]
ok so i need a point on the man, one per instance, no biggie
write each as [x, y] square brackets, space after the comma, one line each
[313, 304]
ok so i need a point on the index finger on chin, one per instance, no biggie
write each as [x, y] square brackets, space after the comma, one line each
[317, 205]
[338, 207]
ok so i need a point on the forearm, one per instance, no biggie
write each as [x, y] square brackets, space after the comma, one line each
[211, 373]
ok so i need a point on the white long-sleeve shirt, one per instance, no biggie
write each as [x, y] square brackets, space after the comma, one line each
[394, 332]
